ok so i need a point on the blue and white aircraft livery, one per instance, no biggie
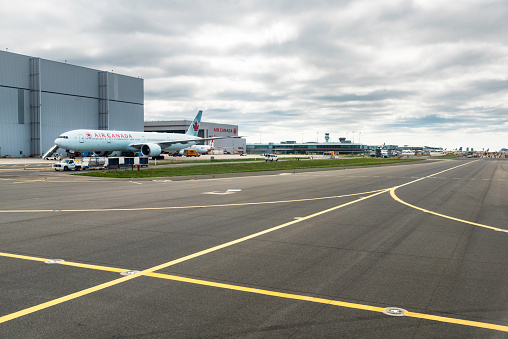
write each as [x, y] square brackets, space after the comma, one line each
[148, 143]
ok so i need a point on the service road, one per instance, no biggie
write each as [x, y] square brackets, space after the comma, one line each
[416, 250]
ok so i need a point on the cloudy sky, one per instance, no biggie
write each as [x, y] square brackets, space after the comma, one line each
[420, 72]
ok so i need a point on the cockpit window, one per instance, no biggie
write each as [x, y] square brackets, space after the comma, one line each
[63, 137]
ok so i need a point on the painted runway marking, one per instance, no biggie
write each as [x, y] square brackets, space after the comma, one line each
[396, 198]
[171, 263]
[226, 192]
[189, 207]
[395, 311]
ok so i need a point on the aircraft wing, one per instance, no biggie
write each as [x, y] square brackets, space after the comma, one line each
[165, 143]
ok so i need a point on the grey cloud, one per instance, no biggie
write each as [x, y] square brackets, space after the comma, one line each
[179, 92]
[246, 96]
[473, 90]
[372, 96]
[442, 123]
[490, 86]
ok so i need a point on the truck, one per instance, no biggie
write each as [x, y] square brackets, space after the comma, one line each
[67, 165]
[271, 157]
[191, 153]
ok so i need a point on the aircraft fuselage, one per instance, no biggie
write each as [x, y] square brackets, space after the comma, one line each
[84, 140]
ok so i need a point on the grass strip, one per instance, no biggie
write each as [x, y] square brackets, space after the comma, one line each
[176, 162]
[241, 167]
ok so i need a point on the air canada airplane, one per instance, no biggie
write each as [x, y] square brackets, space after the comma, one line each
[201, 149]
[103, 142]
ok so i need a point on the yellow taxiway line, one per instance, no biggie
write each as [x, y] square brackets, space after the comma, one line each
[331, 302]
[396, 198]
[239, 288]
[187, 207]
[170, 263]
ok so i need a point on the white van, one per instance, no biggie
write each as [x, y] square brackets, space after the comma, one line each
[271, 157]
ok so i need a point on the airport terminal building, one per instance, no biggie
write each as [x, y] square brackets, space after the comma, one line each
[292, 147]
[206, 130]
[39, 99]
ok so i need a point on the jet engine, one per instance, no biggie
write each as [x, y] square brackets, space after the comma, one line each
[151, 150]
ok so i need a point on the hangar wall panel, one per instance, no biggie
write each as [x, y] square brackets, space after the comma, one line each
[14, 70]
[125, 89]
[57, 77]
[62, 113]
[69, 100]
[9, 108]
[126, 117]
[13, 134]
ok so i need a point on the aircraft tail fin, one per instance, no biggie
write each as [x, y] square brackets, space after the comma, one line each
[194, 127]
[211, 142]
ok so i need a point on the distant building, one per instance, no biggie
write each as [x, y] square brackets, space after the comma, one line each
[291, 147]
[342, 147]
[206, 130]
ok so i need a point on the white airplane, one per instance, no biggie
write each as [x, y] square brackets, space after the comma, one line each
[103, 142]
[201, 149]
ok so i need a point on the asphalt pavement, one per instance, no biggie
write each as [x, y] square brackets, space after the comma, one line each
[417, 251]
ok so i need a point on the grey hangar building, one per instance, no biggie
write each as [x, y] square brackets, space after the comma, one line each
[40, 99]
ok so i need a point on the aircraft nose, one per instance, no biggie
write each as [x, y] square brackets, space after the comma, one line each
[61, 142]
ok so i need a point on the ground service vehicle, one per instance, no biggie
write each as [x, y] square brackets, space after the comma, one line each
[271, 157]
[191, 153]
[67, 165]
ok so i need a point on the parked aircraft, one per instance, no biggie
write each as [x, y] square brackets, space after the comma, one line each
[201, 149]
[151, 144]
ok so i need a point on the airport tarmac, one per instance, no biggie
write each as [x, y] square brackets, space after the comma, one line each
[414, 251]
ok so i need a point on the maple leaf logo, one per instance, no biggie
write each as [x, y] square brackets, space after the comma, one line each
[195, 126]
[88, 135]
[234, 131]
